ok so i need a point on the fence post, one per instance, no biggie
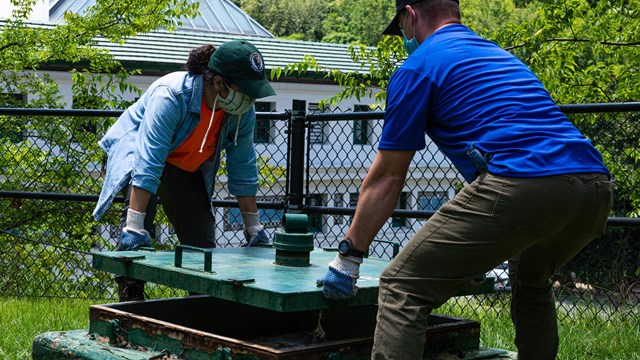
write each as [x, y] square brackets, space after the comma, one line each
[296, 155]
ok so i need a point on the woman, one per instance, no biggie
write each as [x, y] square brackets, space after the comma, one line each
[169, 143]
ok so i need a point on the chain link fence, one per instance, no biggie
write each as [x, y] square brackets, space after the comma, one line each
[51, 170]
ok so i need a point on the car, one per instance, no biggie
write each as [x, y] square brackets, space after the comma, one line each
[501, 275]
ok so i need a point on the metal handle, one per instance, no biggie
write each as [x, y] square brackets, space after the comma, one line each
[207, 256]
[395, 246]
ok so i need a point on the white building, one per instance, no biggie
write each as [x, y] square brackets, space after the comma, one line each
[340, 153]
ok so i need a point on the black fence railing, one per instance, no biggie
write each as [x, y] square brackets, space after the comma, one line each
[51, 171]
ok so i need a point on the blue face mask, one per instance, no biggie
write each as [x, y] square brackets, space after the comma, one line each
[409, 45]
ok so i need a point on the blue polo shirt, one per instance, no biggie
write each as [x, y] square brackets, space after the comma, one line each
[462, 90]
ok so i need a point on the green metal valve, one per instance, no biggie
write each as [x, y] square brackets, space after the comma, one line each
[294, 243]
[295, 223]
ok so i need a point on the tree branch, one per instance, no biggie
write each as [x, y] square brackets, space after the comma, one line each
[4, 47]
[609, 43]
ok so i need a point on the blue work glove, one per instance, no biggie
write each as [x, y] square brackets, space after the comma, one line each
[254, 233]
[133, 234]
[132, 240]
[255, 239]
[339, 282]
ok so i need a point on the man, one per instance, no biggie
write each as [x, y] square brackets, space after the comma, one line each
[169, 143]
[537, 190]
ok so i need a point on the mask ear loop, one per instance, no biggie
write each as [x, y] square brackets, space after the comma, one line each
[235, 138]
[213, 111]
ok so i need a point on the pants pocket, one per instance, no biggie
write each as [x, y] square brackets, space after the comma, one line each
[604, 203]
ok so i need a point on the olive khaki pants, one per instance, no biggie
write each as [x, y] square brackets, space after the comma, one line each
[536, 223]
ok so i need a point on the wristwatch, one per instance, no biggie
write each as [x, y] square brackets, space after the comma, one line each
[345, 248]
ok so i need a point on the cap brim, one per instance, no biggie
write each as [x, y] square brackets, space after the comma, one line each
[393, 28]
[255, 88]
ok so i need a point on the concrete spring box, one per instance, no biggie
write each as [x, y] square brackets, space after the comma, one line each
[203, 327]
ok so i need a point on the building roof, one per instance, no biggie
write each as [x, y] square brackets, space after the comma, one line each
[227, 18]
[166, 51]
[219, 21]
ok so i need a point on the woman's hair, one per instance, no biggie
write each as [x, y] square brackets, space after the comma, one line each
[198, 61]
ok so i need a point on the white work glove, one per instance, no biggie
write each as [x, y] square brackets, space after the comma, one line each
[253, 231]
[133, 234]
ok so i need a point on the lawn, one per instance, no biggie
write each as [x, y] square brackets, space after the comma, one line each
[585, 337]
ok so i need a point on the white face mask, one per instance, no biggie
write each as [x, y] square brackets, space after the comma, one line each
[236, 103]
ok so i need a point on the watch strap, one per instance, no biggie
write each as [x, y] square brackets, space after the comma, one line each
[352, 251]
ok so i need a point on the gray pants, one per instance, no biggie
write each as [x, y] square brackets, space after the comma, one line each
[537, 223]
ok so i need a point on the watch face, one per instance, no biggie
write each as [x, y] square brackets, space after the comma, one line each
[343, 247]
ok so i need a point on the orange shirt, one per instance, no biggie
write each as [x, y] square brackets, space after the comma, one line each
[188, 156]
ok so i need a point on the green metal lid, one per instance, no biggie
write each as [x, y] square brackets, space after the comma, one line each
[244, 275]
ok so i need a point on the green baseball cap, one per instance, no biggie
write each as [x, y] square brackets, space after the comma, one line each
[241, 62]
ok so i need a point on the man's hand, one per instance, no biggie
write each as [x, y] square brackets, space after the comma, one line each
[133, 234]
[339, 282]
[254, 233]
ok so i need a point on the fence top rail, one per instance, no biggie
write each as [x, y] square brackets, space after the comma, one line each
[350, 115]
[59, 112]
[567, 109]
[345, 116]
[600, 107]
[107, 113]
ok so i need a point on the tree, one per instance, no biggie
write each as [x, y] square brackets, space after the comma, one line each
[582, 51]
[57, 154]
[489, 17]
[294, 19]
[24, 47]
[357, 21]
[334, 21]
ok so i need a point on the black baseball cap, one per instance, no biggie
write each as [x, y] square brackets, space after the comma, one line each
[393, 28]
[241, 62]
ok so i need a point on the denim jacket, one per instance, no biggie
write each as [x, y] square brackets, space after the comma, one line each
[139, 142]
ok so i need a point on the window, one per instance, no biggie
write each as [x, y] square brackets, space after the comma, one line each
[316, 131]
[11, 127]
[262, 132]
[353, 202]
[432, 200]
[10, 100]
[315, 220]
[270, 218]
[402, 204]
[361, 127]
[338, 202]
[87, 124]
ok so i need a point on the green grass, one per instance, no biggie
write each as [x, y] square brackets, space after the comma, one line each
[588, 335]
[581, 337]
[22, 319]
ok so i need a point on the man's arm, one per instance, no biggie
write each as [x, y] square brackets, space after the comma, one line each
[378, 195]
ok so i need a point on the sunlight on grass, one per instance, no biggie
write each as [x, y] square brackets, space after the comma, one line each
[582, 336]
[586, 334]
[22, 319]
